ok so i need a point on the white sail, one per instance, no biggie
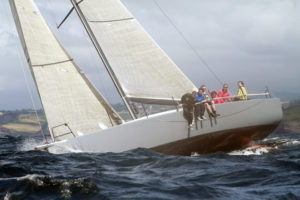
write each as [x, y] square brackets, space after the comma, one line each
[144, 71]
[70, 102]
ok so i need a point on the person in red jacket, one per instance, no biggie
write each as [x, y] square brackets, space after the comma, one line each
[214, 95]
[224, 93]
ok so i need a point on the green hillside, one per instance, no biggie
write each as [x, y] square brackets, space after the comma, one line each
[21, 121]
[291, 113]
[26, 121]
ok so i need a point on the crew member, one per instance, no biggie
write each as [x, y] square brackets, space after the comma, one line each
[224, 93]
[199, 106]
[214, 97]
[242, 93]
[187, 102]
[209, 103]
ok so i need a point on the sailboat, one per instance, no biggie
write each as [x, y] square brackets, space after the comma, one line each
[81, 119]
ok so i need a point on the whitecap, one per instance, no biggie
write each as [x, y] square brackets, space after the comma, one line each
[253, 150]
[29, 144]
[8, 196]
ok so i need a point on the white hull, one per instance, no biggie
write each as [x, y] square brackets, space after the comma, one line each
[167, 128]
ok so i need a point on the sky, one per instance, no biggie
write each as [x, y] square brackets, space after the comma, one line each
[257, 41]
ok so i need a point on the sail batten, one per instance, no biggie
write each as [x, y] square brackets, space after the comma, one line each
[47, 64]
[112, 20]
[71, 103]
[142, 68]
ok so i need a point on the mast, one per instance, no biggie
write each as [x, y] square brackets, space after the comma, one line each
[103, 57]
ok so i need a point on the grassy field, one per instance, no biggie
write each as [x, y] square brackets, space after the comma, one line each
[21, 121]
[30, 118]
[24, 128]
[25, 121]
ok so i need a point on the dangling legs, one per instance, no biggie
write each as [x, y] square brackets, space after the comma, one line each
[214, 110]
[211, 109]
[208, 108]
[202, 110]
[197, 110]
[188, 115]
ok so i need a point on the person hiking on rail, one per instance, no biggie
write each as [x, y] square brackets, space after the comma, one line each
[203, 87]
[187, 102]
[214, 97]
[199, 106]
[242, 93]
[208, 104]
[224, 93]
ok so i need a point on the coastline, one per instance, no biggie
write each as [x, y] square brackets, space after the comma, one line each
[20, 122]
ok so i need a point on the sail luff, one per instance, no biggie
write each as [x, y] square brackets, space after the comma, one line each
[102, 56]
[22, 39]
[70, 101]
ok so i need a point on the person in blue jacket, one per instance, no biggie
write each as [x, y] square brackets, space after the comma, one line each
[203, 102]
[199, 106]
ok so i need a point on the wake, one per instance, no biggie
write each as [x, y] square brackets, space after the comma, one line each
[266, 146]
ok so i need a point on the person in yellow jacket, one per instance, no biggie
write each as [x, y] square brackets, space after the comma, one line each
[242, 93]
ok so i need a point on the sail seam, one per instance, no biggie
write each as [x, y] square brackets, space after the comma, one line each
[47, 64]
[113, 20]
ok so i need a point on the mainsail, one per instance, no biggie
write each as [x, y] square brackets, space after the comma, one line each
[71, 104]
[142, 69]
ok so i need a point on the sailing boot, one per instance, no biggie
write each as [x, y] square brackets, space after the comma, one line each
[215, 114]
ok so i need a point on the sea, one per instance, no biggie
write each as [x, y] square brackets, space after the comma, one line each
[269, 169]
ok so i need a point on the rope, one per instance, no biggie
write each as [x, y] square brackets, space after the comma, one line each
[189, 44]
[22, 64]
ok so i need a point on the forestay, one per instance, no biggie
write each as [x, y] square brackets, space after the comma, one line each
[70, 101]
[144, 71]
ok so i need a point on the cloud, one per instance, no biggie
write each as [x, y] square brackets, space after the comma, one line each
[8, 34]
[2, 81]
[257, 41]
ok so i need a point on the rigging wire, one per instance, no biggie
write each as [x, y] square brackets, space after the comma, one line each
[22, 64]
[189, 44]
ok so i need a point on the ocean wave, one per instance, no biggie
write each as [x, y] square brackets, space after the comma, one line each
[269, 171]
[253, 150]
[22, 187]
[28, 144]
[267, 145]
